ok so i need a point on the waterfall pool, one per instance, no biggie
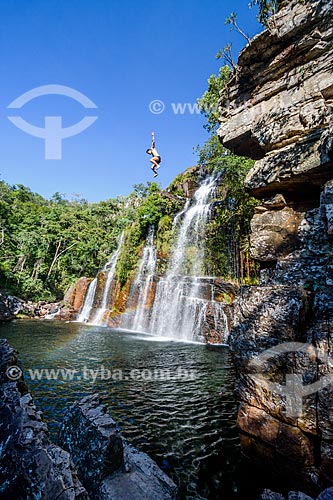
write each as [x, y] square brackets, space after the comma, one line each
[186, 423]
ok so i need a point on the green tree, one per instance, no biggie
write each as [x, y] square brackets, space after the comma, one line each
[228, 231]
[208, 102]
[266, 9]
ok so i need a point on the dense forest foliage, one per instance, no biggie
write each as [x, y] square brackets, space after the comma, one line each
[47, 244]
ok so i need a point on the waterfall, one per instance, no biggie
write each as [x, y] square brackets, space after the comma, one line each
[192, 231]
[110, 267]
[220, 322]
[184, 299]
[178, 309]
[88, 303]
[142, 284]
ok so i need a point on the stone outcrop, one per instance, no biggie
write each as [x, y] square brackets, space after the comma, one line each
[94, 457]
[296, 495]
[9, 307]
[278, 110]
[74, 296]
[30, 465]
[108, 465]
[187, 181]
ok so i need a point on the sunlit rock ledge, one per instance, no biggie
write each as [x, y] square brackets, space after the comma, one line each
[278, 107]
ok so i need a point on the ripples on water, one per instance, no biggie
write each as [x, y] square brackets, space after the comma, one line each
[188, 427]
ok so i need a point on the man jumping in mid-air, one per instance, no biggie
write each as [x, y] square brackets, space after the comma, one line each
[156, 159]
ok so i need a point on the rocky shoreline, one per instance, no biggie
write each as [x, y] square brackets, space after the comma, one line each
[12, 307]
[92, 459]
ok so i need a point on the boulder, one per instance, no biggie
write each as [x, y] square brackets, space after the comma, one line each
[270, 495]
[92, 437]
[9, 307]
[274, 234]
[30, 465]
[298, 495]
[109, 466]
[326, 494]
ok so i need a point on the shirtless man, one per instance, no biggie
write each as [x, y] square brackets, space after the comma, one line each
[156, 159]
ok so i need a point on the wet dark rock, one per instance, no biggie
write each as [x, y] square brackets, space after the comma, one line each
[91, 436]
[266, 316]
[298, 495]
[31, 466]
[270, 495]
[142, 480]
[326, 495]
[109, 467]
[9, 307]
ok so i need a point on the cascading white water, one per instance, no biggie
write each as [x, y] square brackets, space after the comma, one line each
[191, 233]
[183, 306]
[110, 267]
[88, 303]
[143, 282]
[220, 322]
[178, 310]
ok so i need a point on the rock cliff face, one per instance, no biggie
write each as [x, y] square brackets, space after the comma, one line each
[278, 111]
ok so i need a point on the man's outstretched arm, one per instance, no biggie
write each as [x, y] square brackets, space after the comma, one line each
[152, 140]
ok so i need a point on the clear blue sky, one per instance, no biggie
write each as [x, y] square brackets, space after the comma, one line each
[121, 54]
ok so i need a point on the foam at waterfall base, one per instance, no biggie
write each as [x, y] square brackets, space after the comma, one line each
[150, 337]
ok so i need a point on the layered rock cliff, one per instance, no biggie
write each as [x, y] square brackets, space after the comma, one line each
[278, 110]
